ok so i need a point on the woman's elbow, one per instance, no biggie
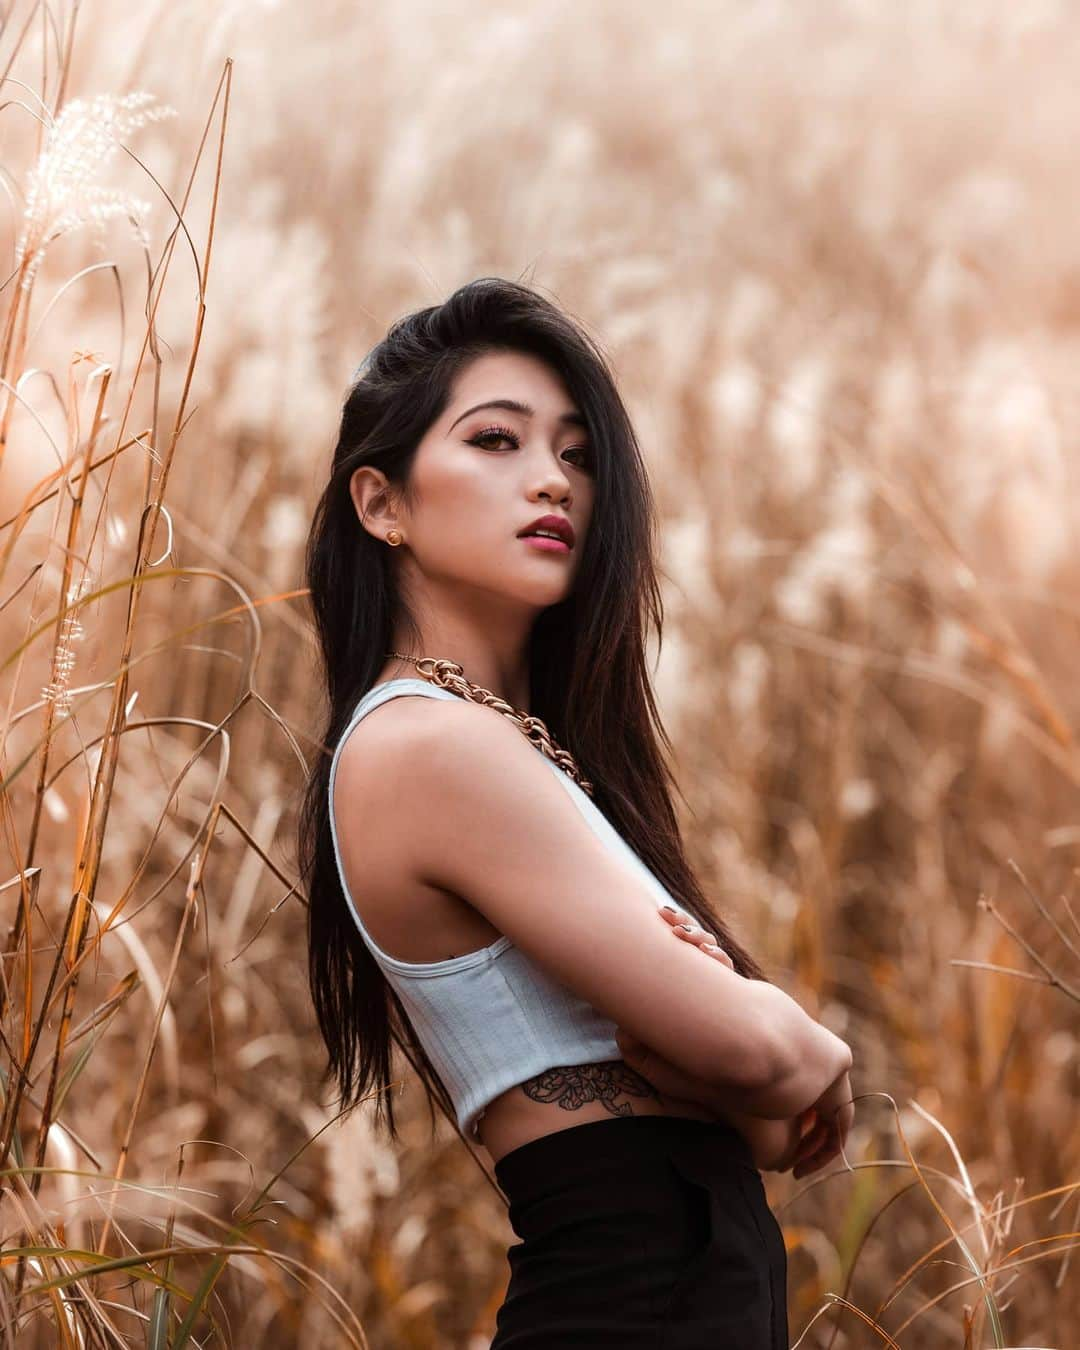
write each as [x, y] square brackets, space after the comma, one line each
[783, 1055]
[797, 1069]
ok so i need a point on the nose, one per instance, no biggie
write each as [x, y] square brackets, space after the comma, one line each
[554, 485]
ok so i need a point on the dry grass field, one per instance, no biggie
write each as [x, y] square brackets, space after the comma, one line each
[832, 250]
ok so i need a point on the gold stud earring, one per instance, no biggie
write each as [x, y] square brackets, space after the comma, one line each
[393, 537]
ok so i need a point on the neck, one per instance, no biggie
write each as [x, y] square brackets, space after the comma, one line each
[512, 689]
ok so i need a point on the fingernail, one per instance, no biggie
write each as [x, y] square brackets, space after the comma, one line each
[669, 909]
[686, 927]
[710, 947]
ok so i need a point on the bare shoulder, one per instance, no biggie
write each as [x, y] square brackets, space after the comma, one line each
[402, 738]
[454, 788]
[416, 771]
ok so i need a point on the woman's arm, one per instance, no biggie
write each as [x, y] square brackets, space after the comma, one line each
[461, 795]
[776, 1145]
[804, 1143]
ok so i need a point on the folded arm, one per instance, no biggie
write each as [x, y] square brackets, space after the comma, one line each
[803, 1143]
[486, 818]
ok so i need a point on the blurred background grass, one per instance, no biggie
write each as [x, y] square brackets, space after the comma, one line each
[832, 252]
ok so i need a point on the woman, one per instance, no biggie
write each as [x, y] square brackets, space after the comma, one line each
[483, 584]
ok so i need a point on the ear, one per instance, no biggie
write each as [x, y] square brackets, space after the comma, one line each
[372, 495]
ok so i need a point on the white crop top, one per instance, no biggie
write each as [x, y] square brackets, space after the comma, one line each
[492, 1018]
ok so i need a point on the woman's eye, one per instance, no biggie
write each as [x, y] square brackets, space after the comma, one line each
[495, 433]
[585, 455]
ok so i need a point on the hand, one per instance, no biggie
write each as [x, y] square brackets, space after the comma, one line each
[835, 1112]
[689, 930]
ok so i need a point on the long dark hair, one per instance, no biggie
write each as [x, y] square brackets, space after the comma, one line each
[587, 656]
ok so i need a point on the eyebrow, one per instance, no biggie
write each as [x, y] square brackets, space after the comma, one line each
[570, 419]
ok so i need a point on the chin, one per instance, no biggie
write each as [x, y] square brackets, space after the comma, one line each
[540, 596]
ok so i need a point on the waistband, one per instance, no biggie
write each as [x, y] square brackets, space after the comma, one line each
[529, 1169]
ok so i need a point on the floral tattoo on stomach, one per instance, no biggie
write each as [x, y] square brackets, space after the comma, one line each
[577, 1085]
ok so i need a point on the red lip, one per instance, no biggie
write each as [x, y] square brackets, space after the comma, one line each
[557, 524]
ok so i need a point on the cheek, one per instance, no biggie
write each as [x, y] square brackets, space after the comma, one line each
[454, 490]
[468, 483]
[463, 516]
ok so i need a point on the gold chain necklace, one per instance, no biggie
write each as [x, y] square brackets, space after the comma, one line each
[449, 675]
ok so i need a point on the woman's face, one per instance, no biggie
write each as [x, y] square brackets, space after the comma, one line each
[481, 475]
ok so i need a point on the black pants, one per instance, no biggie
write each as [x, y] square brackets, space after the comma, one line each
[641, 1231]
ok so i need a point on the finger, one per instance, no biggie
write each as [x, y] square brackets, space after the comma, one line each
[813, 1164]
[634, 1055]
[634, 1052]
[827, 1149]
[800, 1129]
[811, 1143]
[807, 1120]
[811, 1140]
[841, 1121]
[717, 954]
[693, 933]
[684, 927]
[805, 1167]
[816, 1130]
[628, 1045]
